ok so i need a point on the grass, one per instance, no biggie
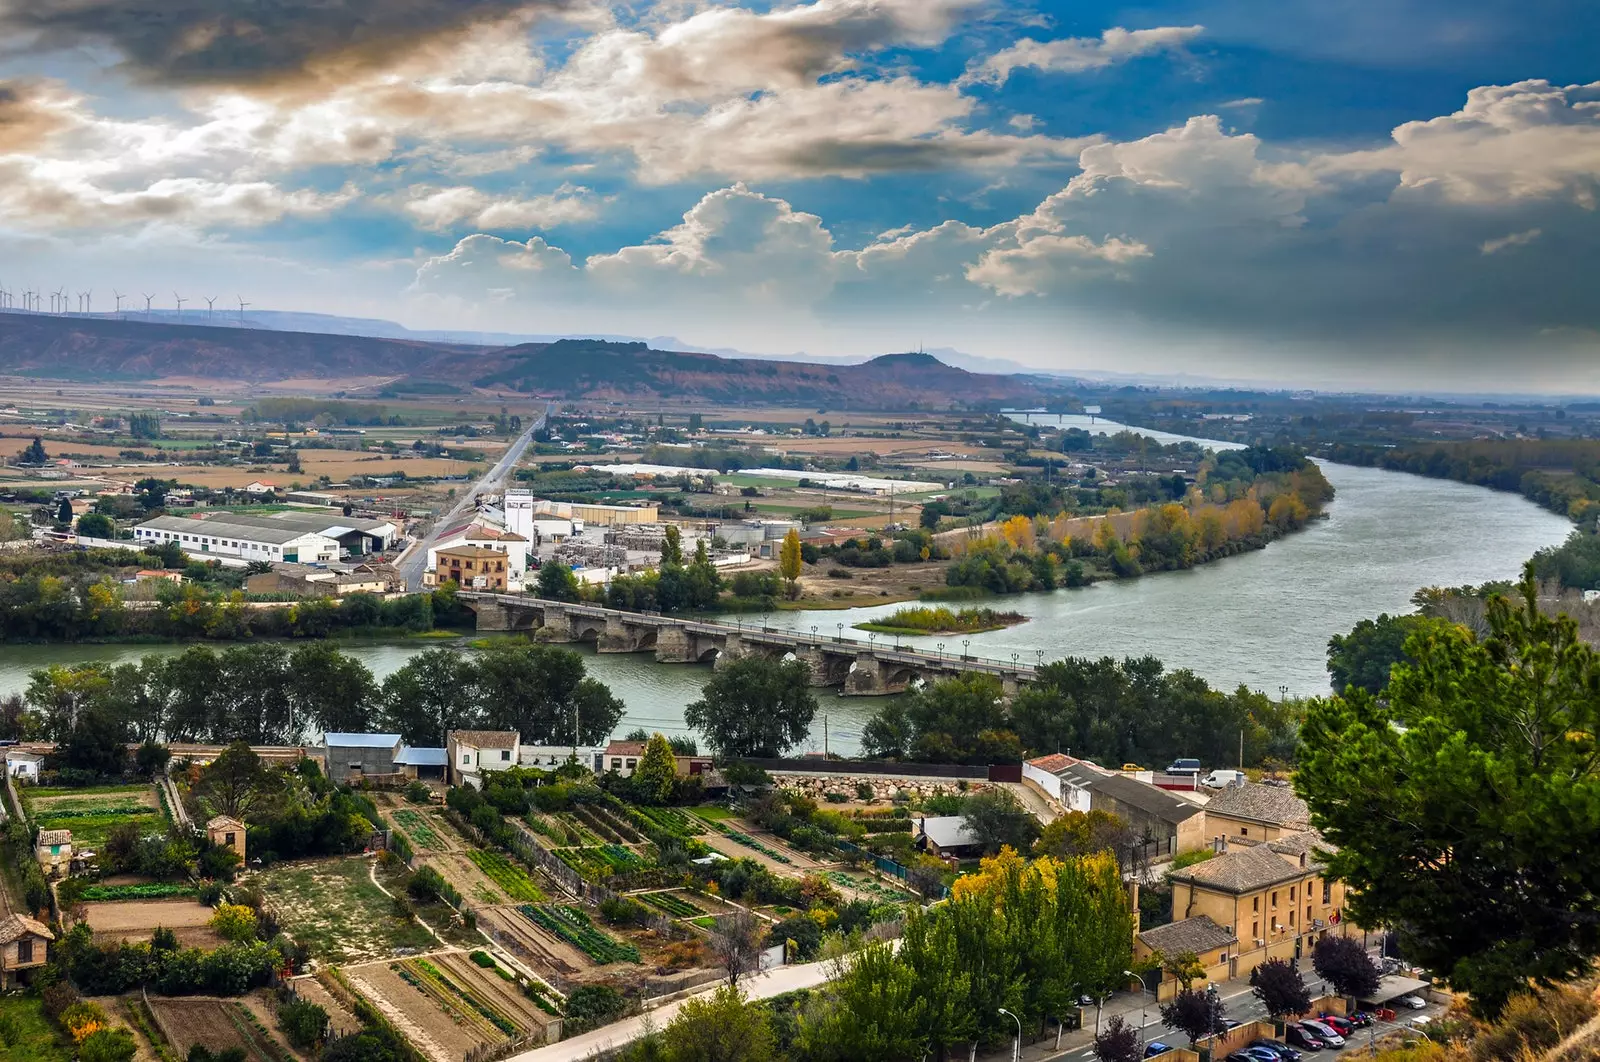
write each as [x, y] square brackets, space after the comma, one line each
[506, 874]
[714, 812]
[925, 620]
[30, 793]
[28, 1036]
[337, 910]
[92, 812]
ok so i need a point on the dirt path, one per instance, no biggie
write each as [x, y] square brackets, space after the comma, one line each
[385, 990]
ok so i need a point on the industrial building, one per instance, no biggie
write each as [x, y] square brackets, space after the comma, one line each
[306, 538]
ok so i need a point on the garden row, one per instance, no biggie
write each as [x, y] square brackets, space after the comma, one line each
[602, 861]
[450, 997]
[574, 927]
[750, 843]
[417, 828]
[508, 875]
[673, 905]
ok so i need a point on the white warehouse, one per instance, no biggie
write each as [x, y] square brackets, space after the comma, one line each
[255, 540]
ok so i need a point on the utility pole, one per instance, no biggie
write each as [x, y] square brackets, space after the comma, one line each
[824, 735]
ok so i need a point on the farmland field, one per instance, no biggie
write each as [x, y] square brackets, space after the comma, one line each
[216, 1024]
[334, 907]
[446, 1005]
[506, 874]
[603, 860]
[135, 920]
[418, 829]
[574, 927]
[671, 903]
[671, 820]
[91, 813]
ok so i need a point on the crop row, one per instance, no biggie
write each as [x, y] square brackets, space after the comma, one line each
[871, 887]
[506, 874]
[602, 861]
[577, 832]
[574, 927]
[606, 823]
[151, 891]
[427, 978]
[671, 820]
[417, 828]
[93, 811]
[750, 842]
[675, 906]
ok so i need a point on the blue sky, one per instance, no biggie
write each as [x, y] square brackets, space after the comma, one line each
[1329, 193]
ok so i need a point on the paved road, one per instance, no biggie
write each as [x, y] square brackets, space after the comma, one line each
[415, 559]
[761, 986]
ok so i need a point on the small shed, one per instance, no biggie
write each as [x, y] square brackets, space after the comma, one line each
[25, 765]
[54, 849]
[227, 832]
[348, 757]
[421, 762]
[947, 836]
[24, 943]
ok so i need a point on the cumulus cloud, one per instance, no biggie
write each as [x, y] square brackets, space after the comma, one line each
[440, 209]
[1515, 239]
[1530, 140]
[1076, 55]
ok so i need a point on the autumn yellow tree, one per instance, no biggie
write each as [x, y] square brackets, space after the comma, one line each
[789, 560]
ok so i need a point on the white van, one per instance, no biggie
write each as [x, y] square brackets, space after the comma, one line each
[1219, 779]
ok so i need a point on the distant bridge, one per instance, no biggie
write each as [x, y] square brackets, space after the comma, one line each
[854, 666]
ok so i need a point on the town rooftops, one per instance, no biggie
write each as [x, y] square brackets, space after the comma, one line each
[1147, 798]
[225, 822]
[1198, 934]
[411, 757]
[472, 552]
[477, 529]
[1240, 870]
[1273, 805]
[486, 739]
[55, 836]
[360, 741]
[1302, 842]
[20, 925]
[947, 831]
[1052, 763]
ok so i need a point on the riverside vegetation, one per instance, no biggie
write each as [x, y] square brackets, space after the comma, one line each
[942, 621]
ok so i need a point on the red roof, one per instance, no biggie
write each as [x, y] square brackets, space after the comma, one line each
[1052, 763]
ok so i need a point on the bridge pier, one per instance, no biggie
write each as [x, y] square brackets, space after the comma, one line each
[557, 626]
[493, 616]
[621, 637]
[674, 646]
[823, 670]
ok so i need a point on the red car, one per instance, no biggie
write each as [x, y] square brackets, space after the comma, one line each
[1341, 1025]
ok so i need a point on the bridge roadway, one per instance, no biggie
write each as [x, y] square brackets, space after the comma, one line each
[856, 666]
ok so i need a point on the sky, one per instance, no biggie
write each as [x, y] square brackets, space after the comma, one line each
[1330, 193]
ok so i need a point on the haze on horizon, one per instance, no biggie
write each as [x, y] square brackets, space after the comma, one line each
[1364, 195]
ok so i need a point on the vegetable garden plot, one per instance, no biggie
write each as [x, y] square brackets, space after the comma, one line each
[92, 813]
[215, 1024]
[574, 927]
[672, 904]
[671, 820]
[419, 830]
[511, 878]
[600, 862]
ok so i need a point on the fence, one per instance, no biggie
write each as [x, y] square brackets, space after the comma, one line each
[890, 867]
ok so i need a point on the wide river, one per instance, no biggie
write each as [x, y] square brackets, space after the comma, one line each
[1261, 618]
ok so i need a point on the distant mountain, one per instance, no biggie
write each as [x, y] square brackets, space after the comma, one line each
[105, 348]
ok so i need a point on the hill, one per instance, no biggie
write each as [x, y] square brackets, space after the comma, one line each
[93, 349]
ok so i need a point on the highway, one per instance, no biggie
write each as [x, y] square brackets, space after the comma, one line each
[412, 562]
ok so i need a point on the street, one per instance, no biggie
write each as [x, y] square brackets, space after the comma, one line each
[415, 558]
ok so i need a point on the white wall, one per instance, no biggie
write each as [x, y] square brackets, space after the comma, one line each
[310, 548]
[1043, 779]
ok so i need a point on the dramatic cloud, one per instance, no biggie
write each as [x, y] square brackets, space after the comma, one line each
[30, 114]
[228, 43]
[1075, 55]
[447, 208]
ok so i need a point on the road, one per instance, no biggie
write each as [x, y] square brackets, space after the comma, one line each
[415, 559]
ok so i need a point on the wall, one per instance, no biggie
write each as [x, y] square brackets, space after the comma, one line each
[1217, 825]
[372, 761]
[883, 788]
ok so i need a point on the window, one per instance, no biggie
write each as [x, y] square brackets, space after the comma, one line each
[1291, 918]
[1291, 894]
[1255, 903]
[1327, 891]
[25, 950]
[1255, 930]
[466, 758]
[1244, 831]
[1308, 914]
[228, 839]
[631, 763]
[1274, 897]
[505, 754]
[616, 764]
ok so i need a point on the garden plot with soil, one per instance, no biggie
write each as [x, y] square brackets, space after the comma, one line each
[310, 990]
[335, 909]
[446, 1005]
[217, 1024]
[738, 839]
[480, 875]
[92, 813]
[136, 920]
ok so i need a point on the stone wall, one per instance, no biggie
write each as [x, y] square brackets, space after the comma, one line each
[884, 787]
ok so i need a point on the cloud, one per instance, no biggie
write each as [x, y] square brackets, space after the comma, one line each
[1530, 140]
[1077, 55]
[1515, 239]
[440, 209]
[31, 113]
[33, 197]
[223, 42]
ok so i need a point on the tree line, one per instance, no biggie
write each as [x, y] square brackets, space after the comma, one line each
[270, 694]
[1562, 475]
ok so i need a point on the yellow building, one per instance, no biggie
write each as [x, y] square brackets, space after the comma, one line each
[227, 832]
[1273, 899]
[1256, 812]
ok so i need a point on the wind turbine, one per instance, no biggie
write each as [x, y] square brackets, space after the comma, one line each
[120, 297]
[61, 300]
[180, 300]
[147, 299]
[210, 306]
[242, 305]
[88, 302]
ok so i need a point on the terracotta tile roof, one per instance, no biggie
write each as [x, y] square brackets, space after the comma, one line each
[1241, 871]
[1198, 934]
[625, 748]
[225, 822]
[55, 836]
[1303, 842]
[1275, 805]
[20, 925]
[1052, 763]
[486, 739]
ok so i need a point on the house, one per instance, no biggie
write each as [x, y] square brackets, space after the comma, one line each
[470, 567]
[622, 757]
[350, 756]
[1214, 945]
[25, 765]
[24, 944]
[1255, 811]
[317, 581]
[54, 849]
[472, 753]
[260, 486]
[159, 575]
[244, 538]
[1175, 825]
[424, 763]
[549, 757]
[946, 836]
[485, 535]
[1275, 896]
[227, 832]
[1063, 779]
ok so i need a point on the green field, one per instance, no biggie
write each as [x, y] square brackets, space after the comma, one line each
[335, 908]
[27, 1035]
[91, 813]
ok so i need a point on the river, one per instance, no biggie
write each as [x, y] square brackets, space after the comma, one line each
[1261, 618]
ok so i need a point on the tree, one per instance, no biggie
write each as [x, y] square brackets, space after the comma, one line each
[888, 734]
[541, 691]
[873, 1009]
[1281, 989]
[434, 692]
[94, 525]
[305, 1024]
[591, 1006]
[1079, 833]
[755, 707]
[997, 819]
[1487, 796]
[64, 511]
[1195, 1013]
[1119, 1042]
[1344, 964]
[556, 582]
[96, 743]
[736, 944]
[34, 453]
[672, 546]
[789, 561]
[719, 1028]
[152, 758]
[333, 691]
[657, 772]
[959, 720]
[234, 781]
[1363, 657]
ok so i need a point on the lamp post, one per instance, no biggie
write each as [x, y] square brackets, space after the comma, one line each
[840, 628]
[941, 652]
[1144, 1003]
[813, 633]
[872, 637]
[1016, 1045]
[965, 653]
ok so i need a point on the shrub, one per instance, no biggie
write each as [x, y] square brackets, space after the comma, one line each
[305, 1024]
[418, 792]
[863, 791]
[426, 885]
[107, 1045]
[234, 922]
[621, 911]
[835, 797]
[209, 893]
[591, 1006]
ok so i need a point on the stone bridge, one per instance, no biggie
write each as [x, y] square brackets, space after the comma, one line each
[852, 665]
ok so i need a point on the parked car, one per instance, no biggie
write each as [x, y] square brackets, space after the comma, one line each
[1339, 1024]
[1414, 1002]
[1131, 767]
[1295, 1035]
[1229, 1023]
[1284, 1052]
[1156, 1047]
[1258, 1054]
[1325, 1032]
[1219, 779]
[1184, 765]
